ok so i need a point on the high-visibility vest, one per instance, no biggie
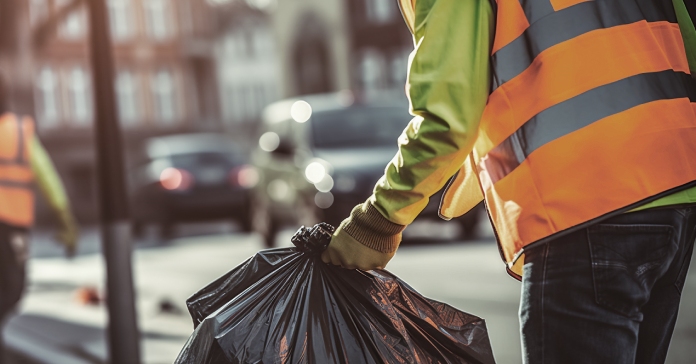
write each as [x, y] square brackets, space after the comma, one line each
[16, 176]
[592, 112]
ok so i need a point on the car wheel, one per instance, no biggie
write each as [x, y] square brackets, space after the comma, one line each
[246, 222]
[263, 223]
[138, 229]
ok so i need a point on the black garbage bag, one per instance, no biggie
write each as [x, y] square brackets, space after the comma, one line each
[287, 306]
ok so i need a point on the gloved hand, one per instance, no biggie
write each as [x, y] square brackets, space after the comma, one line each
[68, 233]
[349, 253]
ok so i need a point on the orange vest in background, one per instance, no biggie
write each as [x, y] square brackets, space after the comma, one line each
[592, 113]
[16, 176]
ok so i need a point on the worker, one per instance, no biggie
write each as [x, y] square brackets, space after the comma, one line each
[575, 122]
[24, 162]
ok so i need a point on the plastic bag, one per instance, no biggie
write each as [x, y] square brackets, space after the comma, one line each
[287, 306]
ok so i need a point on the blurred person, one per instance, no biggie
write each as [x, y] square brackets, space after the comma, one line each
[575, 121]
[23, 161]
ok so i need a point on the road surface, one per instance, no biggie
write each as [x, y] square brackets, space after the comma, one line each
[57, 324]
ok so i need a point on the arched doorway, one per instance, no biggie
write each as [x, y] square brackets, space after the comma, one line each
[311, 60]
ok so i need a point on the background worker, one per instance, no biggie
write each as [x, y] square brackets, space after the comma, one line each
[23, 162]
[575, 121]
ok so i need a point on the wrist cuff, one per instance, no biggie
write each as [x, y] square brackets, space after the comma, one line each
[367, 225]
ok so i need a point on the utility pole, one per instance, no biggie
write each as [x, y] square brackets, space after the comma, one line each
[124, 337]
[16, 58]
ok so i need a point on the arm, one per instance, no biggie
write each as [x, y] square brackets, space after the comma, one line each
[686, 25]
[52, 189]
[448, 86]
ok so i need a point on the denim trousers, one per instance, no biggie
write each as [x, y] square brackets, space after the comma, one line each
[608, 293]
[13, 255]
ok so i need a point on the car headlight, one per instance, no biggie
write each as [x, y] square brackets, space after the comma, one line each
[323, 200]
[325, 185]
[315, 172]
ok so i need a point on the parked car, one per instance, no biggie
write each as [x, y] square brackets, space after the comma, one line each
[189, 177]
[319, 156]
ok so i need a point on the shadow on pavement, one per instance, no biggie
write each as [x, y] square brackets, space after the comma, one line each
[42, 339]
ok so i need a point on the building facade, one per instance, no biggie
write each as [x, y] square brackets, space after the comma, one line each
[330, 45]
[247, 65]
[165, 80]
[381, 44]
[203, 65]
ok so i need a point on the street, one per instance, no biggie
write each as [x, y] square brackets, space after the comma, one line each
[60, 322]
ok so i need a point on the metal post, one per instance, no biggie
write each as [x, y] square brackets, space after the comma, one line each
[123, 330]
[16, 59]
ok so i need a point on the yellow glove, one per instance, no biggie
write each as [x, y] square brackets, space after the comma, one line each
[68, 234]
[349, 253]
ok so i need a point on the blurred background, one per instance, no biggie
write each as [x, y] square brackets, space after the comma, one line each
[187, 66]
[241, 119]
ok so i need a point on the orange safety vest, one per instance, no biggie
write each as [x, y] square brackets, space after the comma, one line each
[592, 113]
[16, 176]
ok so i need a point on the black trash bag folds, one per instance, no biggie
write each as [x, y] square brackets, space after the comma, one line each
[287, 306]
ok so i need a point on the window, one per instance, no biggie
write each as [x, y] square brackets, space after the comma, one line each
[158, 19]
[234, 45]
[234, 103]
[271, 93]
[38, 11]
[127, 91]
[371, 67]
[120, 18]
[263, 43]
[79, 96]
[164, 96]
[399, 68]
[251, 102]
[380, 11]
[229, 105]
[261, 99]
[346, 128]
[74, 25]
[48, 106]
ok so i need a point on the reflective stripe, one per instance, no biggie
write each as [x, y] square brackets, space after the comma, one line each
[567, 24]
[16, 184]
[581, 111]
[536, 9]
[14, 162]
[562, 4]
[511, 22]
[16, 173]
[596, 170]
[563, 72]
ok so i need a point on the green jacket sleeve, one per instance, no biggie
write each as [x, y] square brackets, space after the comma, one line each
[448, 86]
[686, 25]
[47, 178]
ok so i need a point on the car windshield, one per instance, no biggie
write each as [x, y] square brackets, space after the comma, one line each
[189, 160]
[358, 127]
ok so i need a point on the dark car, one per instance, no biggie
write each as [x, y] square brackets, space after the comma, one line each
[190, 177]
[321, 155]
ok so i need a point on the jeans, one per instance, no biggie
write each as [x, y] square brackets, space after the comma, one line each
[609, 293]
[13, 255]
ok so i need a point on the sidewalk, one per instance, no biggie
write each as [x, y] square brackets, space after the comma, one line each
[55, 327]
